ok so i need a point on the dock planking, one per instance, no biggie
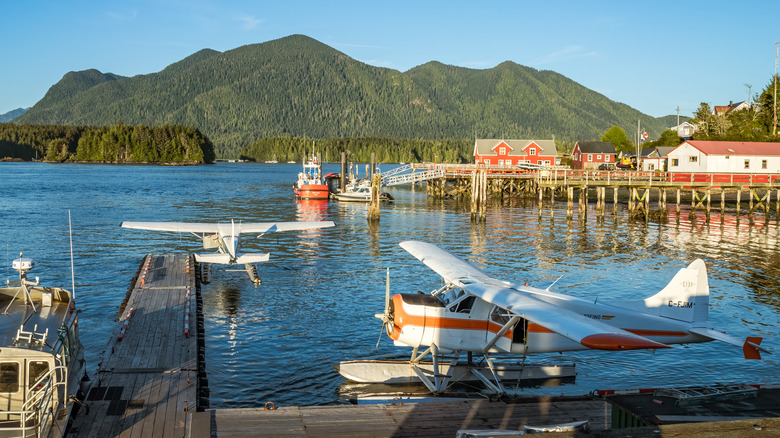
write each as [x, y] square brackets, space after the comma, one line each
[146, 383]
[436, 419]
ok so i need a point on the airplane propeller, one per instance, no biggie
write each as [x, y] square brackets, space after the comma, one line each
[387, 316]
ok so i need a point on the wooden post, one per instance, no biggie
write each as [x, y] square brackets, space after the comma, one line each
[474, 195]
[739, 195]
[678, 204]
[722, 205]
[569, 201]
[750, 212]
[552, 202]
[343, 179]
[709, 196]
[373, 207]
[614, 199]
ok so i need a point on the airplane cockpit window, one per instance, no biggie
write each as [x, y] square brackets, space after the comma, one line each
[499, 315]
[464, 305]
[451, 296]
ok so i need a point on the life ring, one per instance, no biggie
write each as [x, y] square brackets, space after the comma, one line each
[272, 408]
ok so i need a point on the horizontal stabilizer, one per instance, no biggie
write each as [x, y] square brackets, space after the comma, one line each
[252, 258]
[751, 347]
[220, 259]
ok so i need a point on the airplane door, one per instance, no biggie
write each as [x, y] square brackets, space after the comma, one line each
[519, 337]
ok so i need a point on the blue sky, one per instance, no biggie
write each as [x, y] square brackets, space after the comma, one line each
[654, 56]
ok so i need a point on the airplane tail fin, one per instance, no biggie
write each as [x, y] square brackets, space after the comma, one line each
[686, 297]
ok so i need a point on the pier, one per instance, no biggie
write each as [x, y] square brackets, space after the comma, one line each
[152, 373]
[746, 192]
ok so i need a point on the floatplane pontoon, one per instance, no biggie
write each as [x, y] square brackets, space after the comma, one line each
[41, 358]
[226, 239]
[483, 316]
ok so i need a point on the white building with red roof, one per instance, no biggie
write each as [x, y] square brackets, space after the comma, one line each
[725, 156]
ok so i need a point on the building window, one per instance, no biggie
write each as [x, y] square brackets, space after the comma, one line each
[747, 163]
[590, 157]
[531, 151]
[607, 158]
[598, 157]
[675, 162]
[500, 162]
[763, 164]
[487, 160]
[502, 151]
[693, 159]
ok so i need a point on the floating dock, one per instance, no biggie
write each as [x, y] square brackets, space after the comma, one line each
[405, 420]
[152, 374]
[151, 382]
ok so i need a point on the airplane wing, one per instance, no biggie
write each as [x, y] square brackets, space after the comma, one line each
[268, 227]
[579, 328]
[515, 299]
[450, 267]
[247, 227]
[176, 227]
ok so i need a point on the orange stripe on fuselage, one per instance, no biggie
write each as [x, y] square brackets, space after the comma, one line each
[403, 318]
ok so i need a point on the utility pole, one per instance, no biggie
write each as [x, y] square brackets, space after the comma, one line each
[748, 87]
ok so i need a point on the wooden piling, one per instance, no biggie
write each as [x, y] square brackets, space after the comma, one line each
[373, 206]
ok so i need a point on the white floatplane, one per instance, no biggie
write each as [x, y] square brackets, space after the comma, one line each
[42, 366]
[481, 315]
[226, 239]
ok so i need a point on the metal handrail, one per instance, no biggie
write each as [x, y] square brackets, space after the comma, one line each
[40, 404]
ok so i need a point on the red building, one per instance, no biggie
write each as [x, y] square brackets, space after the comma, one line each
[514, 152]
[591, 154]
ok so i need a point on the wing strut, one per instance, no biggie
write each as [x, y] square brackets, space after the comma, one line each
[501, 332]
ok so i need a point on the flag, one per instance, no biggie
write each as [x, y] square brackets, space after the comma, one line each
[644, 135]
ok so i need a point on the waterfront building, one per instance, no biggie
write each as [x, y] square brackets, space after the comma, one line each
[725, 156]
[592, 154]
[515, 152]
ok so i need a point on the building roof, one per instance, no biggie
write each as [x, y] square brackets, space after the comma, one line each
[486, 146]
[735, 147]
[596, 147]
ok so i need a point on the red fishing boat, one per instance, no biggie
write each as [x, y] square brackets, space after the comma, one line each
[309, 184]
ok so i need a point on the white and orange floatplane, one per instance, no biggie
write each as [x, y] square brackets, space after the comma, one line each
[478, 314]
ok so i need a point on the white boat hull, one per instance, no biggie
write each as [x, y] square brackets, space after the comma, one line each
[400, 371]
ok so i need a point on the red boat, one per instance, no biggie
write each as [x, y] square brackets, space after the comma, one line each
[309, 184]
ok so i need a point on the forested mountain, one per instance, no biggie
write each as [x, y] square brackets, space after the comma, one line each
[297, 86]
[10, 115]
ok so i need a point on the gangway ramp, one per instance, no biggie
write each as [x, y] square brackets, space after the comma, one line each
[406, 174]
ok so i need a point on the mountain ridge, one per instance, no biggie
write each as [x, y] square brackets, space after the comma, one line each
[298, 86]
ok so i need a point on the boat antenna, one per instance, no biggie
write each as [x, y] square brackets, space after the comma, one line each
[553, 283]
[72, 274]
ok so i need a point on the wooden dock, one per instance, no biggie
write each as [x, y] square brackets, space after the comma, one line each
[436, 419]
[148, 379]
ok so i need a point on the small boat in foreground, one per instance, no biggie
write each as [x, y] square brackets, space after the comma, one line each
[309, 184]
[41, 357]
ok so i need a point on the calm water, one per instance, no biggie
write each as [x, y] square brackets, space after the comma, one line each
[280, 340]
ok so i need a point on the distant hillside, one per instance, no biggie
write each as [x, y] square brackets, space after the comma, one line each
[297, 86]
[10, 115]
